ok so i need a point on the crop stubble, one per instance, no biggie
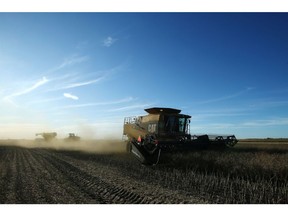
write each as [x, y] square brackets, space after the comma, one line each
[49, 176]
[245, 174]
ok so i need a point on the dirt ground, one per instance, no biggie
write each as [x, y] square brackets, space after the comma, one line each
[87, 172]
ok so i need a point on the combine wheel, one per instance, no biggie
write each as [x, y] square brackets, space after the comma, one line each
[231, 141]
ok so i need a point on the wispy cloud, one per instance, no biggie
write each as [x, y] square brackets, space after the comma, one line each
[73, 97]
[74, 85]
[264, 103]
[73, 80]
[71, 61]
[109, 41]
[227, 97]
[125, 100]
[39, 83]
[131, 107]
[203, 114]
[266, 122]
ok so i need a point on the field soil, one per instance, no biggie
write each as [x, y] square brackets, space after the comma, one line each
[30, 174]
[98, 172]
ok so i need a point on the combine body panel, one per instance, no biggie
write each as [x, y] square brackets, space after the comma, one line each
[166, 129]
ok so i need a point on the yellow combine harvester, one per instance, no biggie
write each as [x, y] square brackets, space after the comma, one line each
[166, 129]
[47, 136]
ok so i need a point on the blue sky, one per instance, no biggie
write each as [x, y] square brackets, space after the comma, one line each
[84, 72]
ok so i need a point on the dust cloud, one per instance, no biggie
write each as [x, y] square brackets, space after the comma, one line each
[91, 146]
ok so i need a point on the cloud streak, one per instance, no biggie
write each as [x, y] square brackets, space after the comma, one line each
[267, 122]
[39, 83]
[70, 96]
[71, 61]
[72, 80]
[227, 97]
[131, 107]
[125, 100]
[109, 41]
[74, 85]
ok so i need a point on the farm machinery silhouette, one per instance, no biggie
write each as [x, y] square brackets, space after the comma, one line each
[72, 137]
[167, 130]
[48, 137]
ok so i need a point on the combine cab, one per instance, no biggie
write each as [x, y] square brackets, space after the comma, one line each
[166, 130]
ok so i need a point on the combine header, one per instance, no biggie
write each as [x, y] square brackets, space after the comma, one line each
[166, 129]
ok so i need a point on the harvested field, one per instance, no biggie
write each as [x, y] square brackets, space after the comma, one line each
[89, 173]
[46, 175]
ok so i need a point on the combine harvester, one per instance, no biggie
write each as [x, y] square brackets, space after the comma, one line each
[167, 130]
[47, 136]
[72, 137]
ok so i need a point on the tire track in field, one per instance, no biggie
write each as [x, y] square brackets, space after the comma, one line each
[59, 188]
[28, 187]
[49, 176]
[13, 167]
[24, 187]
[9, 174]
[95, 187]
[33, 181]
[121, 178]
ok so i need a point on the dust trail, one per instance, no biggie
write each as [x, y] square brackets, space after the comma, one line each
[92, 146]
